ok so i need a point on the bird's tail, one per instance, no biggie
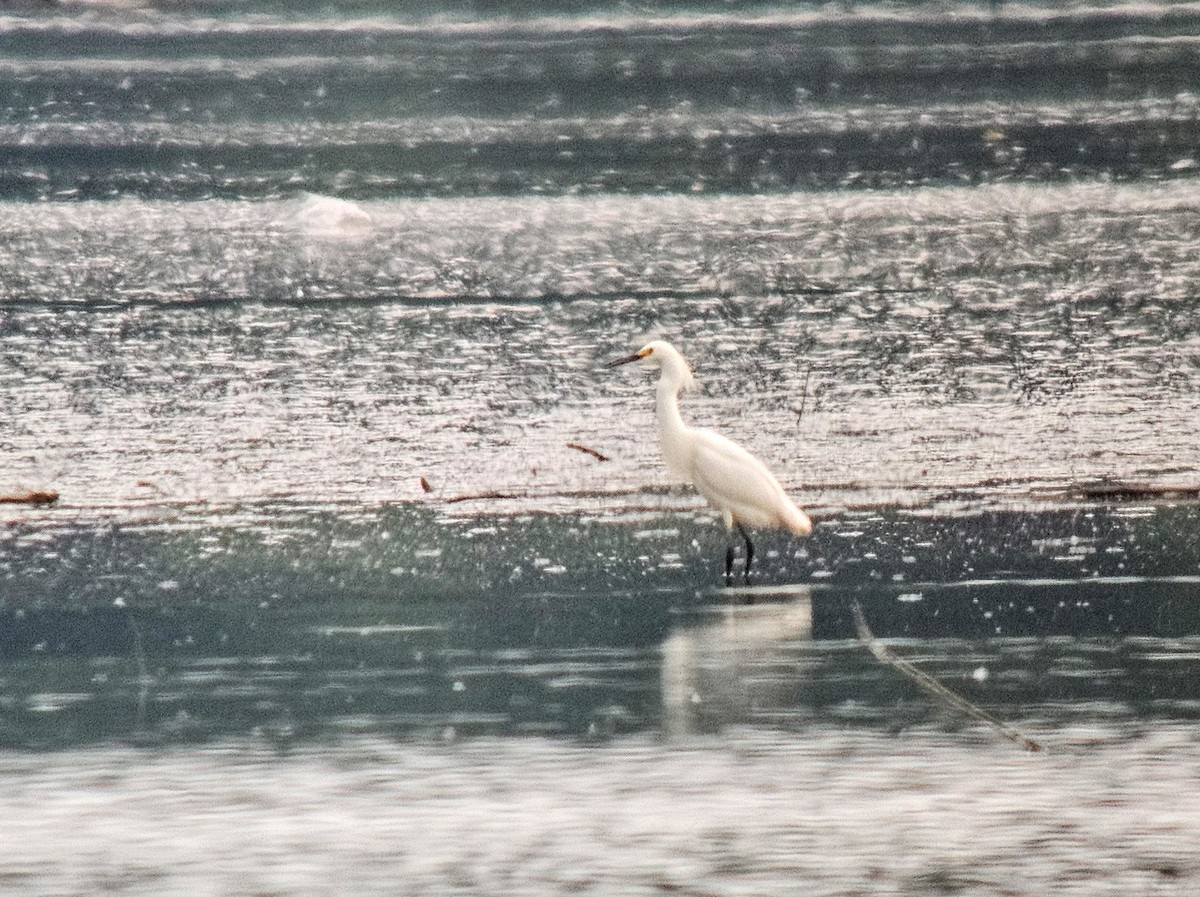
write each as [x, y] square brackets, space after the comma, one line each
[796, 520]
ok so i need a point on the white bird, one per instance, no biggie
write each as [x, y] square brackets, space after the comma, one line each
[732, 480]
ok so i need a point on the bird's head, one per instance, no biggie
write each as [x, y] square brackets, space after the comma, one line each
[661, 354]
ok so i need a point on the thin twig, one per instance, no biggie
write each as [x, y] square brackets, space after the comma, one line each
[804, 395]
[588, 451]
[931, 685]
[556, 493]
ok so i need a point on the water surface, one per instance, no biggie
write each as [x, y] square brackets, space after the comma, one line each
[359, 550]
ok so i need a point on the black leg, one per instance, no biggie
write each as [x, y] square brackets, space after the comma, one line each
[728, 563]
[749, 552]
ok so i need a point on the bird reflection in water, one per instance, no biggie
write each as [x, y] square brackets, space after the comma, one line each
[719, 669]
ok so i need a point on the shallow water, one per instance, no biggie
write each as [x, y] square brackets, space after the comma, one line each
[361, 553]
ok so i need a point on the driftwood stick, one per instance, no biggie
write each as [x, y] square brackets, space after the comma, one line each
[1138, 491]
[478, 496]
[30, 498]
[931, 685]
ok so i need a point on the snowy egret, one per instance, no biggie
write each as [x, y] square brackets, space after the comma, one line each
[735, 482]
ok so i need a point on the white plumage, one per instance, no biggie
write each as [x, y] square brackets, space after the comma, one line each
[732, 480]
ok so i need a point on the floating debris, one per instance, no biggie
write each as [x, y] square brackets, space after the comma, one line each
[331, 217]
[931, 685]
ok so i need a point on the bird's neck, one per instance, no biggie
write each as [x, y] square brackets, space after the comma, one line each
[671, 427]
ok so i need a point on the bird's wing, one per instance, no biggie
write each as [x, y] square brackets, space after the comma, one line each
[732, 479]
